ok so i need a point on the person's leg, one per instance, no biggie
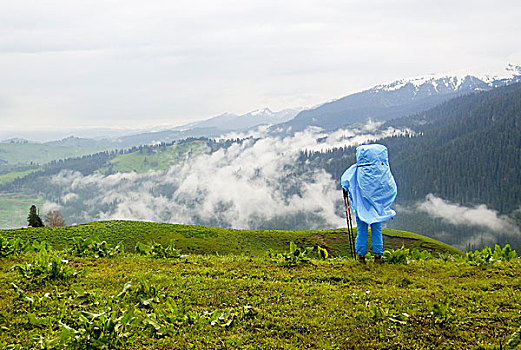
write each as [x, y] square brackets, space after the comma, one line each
[377, 242]
[361, 237]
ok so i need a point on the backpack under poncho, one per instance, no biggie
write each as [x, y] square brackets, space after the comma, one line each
[371, 184]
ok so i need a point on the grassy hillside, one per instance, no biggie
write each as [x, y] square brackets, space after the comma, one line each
[156, 159]
[234, 301]
[212, 240]
[6, 177]
[40, 153]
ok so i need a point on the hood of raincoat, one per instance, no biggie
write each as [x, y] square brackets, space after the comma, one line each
[371, 184]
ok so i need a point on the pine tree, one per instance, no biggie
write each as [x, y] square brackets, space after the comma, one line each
[33, 218]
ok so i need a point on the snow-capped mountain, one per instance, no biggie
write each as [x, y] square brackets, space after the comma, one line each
[400, 98]
[213, 127]
[508, 75]
[382, 102]
[215, 122]
[455, 82]
[233, 122]
[263, 117]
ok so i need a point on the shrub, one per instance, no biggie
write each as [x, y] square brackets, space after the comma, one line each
[486, 256]
[12, 246]
[156, 250]
[38, 246]
[167, 319]
[142, 294]
[46, 267]
[6, 247]
[226, 318]
[446, 257]
[322, 253]
[94, 247]
[404, 255]
[294, 257]
[398, 256]
[416, 254]
[506, 254]
[104, 330]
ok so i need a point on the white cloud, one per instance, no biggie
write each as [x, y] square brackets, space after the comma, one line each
[49, 206]
[457, 214]
[69, 197]
[242, 185]
[69, 63]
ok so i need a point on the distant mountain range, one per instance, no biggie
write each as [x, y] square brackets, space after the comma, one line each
[466, 151]
[213, 127]
[233, 122]
[382, 102]
[397, 99]
[16, 140]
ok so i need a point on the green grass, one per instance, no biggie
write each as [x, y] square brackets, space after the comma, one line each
[14, 208]
[210, 240]
[397, 238]
[10, 176]
[332, 304]
[158, 160]
[40, 153]
[242, 298]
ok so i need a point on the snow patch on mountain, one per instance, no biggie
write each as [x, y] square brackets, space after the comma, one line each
[510, 72]
[260, 113]
[437, 82]
[456, 81]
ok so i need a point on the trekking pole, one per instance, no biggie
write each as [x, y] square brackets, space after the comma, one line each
[350, 234]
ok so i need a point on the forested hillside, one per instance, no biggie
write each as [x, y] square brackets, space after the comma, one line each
[139, 158]
[394, 100]
[13, 155]
[467, 150]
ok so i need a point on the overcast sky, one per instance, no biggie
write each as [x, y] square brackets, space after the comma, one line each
[129, 64]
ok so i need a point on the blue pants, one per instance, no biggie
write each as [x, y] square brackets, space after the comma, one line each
[377, 242]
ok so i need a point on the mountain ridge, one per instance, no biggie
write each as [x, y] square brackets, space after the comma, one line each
[381, 102]
[398, 98]
[234, 122]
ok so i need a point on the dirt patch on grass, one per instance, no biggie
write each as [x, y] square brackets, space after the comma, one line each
[397, 242]
[321, 240]
[336, 243]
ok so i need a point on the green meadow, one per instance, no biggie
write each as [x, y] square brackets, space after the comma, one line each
[12, 175]
[41, 153]
[157, 159]
[230, 289]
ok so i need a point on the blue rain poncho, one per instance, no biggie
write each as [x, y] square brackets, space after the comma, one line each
[371, 184]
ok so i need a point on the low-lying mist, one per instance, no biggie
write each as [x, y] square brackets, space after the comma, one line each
[466, 228]
[259, 184]
[252, 184]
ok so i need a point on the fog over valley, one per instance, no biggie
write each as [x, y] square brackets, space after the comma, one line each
[257, 181]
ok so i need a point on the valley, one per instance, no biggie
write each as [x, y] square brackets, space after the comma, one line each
[269, 178]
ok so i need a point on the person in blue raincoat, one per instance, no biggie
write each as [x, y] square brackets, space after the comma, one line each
[372, 190]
